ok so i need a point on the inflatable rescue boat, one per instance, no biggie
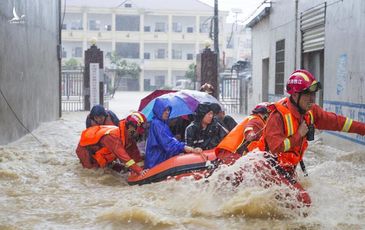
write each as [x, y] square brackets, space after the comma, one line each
[190, 164]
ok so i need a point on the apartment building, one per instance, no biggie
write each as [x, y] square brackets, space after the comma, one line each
[162, 37]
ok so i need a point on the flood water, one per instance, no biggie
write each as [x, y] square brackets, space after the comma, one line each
[43, 186]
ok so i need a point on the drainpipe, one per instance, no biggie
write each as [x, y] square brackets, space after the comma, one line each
[296, 34]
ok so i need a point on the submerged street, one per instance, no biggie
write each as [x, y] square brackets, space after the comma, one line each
[43, 186]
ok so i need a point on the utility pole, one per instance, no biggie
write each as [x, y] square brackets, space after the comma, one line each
[216, 45]
[216, 31]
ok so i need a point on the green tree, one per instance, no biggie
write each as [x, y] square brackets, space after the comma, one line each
[123, 69]
[72, 63]
[190, 74]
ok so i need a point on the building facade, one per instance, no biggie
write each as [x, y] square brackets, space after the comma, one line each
[162, 37]
[325, 37]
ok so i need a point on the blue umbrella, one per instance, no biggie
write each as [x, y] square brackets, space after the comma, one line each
[182, 103]
[179, 107]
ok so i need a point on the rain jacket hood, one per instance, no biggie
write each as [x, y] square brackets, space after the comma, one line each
[160, 106]
[202, 110]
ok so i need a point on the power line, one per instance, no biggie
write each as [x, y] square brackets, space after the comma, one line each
[17, 118]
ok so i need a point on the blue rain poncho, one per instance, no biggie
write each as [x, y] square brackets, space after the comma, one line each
[161, 144]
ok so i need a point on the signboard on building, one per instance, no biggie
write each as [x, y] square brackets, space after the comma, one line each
[350, 110]
[94, 84]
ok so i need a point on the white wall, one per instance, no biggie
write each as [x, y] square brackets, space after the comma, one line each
[260, 50]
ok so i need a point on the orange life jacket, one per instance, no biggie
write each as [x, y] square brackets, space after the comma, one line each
[294, 156]
[92, 136]
[236, 137]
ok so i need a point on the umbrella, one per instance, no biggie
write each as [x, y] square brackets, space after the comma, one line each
[182, 103]
[198, 97]
[153, 95]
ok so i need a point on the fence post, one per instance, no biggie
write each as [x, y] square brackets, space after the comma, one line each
[93, 56]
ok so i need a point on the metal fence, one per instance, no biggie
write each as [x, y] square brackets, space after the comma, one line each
[231, 95]
[72, 90]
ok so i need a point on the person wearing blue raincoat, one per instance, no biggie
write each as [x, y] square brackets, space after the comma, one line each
[161, 143]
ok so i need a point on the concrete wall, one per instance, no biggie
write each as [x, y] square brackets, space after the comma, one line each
[29, 66]
[260, 50]
[282, 26]
[344, 71]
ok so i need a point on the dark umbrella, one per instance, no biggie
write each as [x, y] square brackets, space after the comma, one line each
[153, 95]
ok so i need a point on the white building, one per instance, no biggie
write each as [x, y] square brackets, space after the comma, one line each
[325, 37]
[237, 44]
[162, 37]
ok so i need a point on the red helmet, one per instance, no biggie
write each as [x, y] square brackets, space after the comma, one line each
[302, 81]
[138, 120]
[263, 108]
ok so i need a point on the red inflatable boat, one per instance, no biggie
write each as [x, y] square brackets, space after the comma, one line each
[197, 165]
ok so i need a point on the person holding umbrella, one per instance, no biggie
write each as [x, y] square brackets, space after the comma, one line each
[161, 144]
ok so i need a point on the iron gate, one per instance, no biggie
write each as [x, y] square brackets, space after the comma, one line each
[72, 90]
[231, 95]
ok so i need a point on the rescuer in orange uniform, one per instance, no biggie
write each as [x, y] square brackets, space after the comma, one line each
[243, 138]
[291, 125]
[100, 146]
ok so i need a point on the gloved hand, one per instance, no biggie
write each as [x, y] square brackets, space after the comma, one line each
[135, 168]
[188, 149]
[197, 150]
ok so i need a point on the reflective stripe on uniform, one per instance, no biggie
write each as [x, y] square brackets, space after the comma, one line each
[289, 123]
[109, 130]
[346, 127]
[248, 129]
[286, 144]
[130, 163]
[311, 116]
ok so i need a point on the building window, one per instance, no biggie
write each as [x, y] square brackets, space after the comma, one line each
[128, 5]
[108, 27]
[64, 26]
[176, 27]
[176, 54]
[64, 53]
[279, 67]
[127, 50]
[94, 24]
[190, 30]
[147, 29]
[159, 81]
[127, 23]
[189, 56]
[160, 54]
[147, 56]
[204, 28]
[160, 27]
[76, 25]
[77, 52]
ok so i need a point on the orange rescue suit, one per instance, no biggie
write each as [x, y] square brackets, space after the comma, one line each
[228, 147]
[283, 140]
[93, 135]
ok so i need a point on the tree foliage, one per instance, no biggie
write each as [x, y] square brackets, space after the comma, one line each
[72, 63]
[123, 69]
[190, 74]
